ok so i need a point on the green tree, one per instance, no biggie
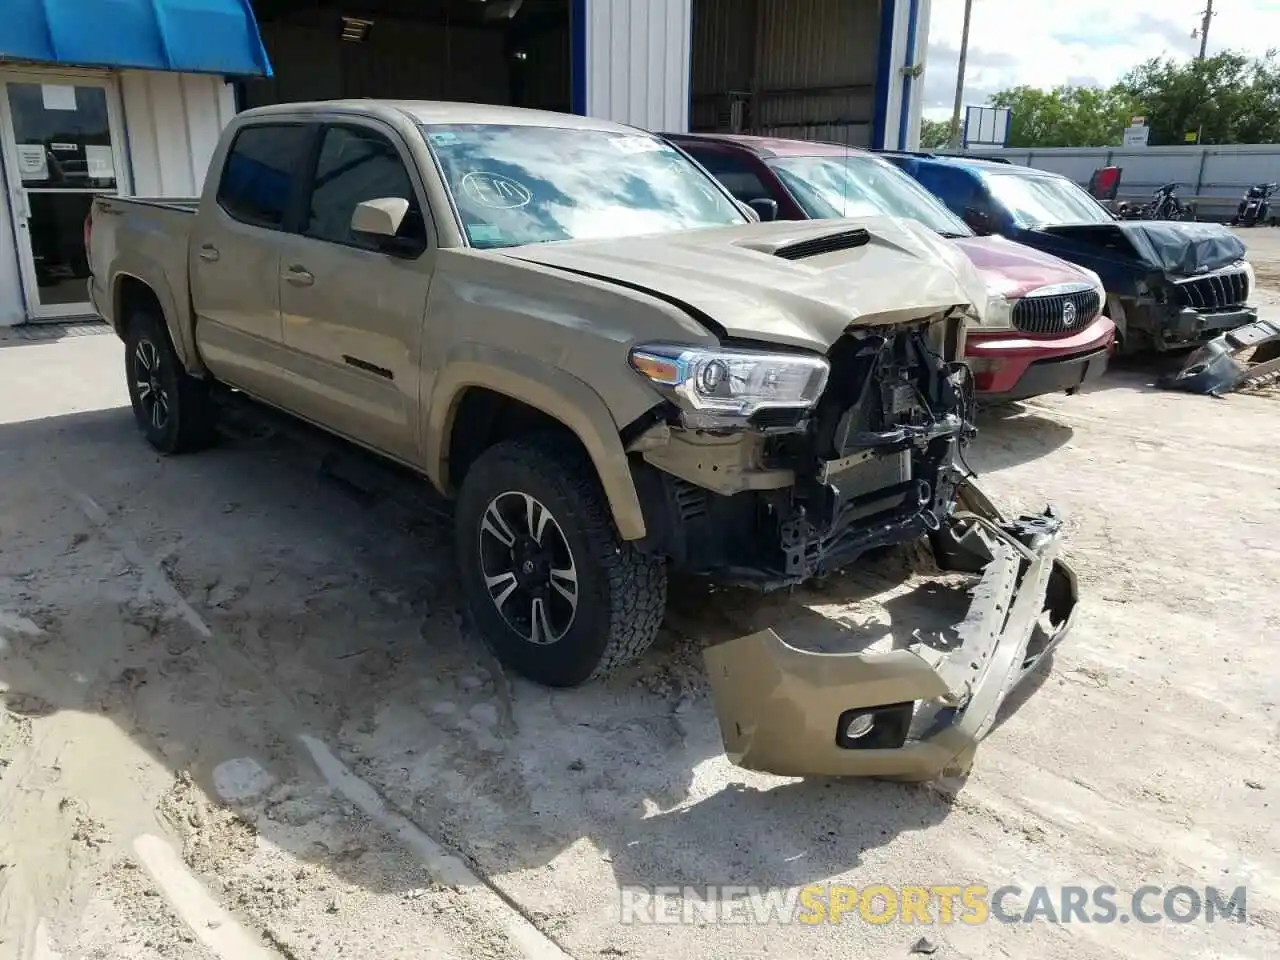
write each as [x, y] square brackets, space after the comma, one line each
[1228, 98]
[934, 133]
[1066, 116]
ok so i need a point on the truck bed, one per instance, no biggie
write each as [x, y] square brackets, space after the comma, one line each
[146, 238]
[181, 204]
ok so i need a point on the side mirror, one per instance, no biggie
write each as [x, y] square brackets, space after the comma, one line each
[379, 218]
[766, 209]
[978, 220]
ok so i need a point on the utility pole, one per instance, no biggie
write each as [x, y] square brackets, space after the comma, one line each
[954, 139]
[1204, 28]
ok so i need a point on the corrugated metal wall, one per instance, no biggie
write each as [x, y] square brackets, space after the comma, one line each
[793, 68]
[172, 123]
[401, 58]
[1213, 178]
[545, 76]
[723, 62]
[637, 62]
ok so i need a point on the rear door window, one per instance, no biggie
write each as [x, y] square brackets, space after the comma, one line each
[262, 167]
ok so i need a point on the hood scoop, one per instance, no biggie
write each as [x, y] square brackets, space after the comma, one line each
[803, 249]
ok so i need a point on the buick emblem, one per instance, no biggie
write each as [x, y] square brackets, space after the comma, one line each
[1068, 314]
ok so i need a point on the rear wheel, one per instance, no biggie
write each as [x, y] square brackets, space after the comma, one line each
[551, 587]
[172, 408]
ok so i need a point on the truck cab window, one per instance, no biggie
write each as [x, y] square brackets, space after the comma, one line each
[356, 164]
[955, 188]
[734, 172]
[261, 169]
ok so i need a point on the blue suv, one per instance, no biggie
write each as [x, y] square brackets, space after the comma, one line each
[1169, 284]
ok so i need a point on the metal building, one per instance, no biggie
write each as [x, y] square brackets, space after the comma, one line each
[836, 69]
[129, 96]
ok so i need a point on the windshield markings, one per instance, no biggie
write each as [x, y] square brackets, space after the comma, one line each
[496, 191]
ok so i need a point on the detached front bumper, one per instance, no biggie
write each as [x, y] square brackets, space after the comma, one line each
[915, 713]
[1188, 325]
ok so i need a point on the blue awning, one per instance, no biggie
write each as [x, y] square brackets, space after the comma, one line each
[188, 36]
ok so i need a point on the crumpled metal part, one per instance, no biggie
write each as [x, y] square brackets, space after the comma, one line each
[1214, 369]
[787, 711]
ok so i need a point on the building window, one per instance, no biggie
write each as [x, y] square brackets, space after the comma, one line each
[262, 166]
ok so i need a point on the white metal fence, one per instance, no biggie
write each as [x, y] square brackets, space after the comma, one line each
[1213, 178]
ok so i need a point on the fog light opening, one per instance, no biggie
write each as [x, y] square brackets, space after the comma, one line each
[859, 727]
[881, 727]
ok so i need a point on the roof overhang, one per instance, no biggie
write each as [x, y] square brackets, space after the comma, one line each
[186, 36]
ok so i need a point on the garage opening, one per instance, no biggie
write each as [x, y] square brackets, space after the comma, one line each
[509, 52]
[804, 69]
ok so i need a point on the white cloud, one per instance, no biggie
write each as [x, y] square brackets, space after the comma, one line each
[1044, 44]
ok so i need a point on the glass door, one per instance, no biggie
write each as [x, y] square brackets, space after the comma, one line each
[61, 145]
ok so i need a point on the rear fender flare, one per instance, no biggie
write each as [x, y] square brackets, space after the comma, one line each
[556, 393]
[179, 334]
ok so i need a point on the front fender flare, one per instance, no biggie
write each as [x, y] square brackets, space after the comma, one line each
[556, 393]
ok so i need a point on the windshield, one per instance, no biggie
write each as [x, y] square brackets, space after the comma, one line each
[514, 185]
[859, 186]
[1050, 201]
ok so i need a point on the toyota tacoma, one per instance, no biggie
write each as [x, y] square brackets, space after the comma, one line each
[619, 374]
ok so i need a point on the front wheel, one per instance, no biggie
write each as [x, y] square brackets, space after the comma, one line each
[550, 585]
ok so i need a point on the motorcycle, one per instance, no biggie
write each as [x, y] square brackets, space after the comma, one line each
[1127, 210]
[1255, 206]
[1165, 205]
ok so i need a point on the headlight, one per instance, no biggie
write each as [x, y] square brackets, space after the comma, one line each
[1250, 276]
[999, 313]
[1097, 283]
[716, 388]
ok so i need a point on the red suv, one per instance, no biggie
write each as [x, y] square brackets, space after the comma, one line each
[1042, 330]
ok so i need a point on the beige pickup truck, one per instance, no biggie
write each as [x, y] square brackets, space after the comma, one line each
[620, 374]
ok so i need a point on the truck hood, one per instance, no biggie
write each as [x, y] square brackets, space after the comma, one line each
[1181, 249]
[1013, 269]
[802, 283]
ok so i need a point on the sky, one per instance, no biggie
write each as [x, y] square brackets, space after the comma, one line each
[1043, 43]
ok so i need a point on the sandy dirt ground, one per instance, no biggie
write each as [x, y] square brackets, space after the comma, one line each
[1264, 254]
[240, 715]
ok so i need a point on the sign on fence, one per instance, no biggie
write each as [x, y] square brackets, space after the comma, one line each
[986, 126]
[1136, 136]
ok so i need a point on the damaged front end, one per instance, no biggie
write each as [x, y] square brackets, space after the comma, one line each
[796, 494]
[768, 467]
[917, 712]
[1169, 285]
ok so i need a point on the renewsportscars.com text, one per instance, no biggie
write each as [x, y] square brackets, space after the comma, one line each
[928, 904]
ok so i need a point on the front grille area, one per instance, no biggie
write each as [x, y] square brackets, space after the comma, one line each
[1218, 291]
[1050, 315]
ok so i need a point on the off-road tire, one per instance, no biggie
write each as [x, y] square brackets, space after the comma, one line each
[189, 421]
[622, 592]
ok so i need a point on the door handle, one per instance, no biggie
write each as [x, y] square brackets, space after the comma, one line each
[299, 276]
[209, 252]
